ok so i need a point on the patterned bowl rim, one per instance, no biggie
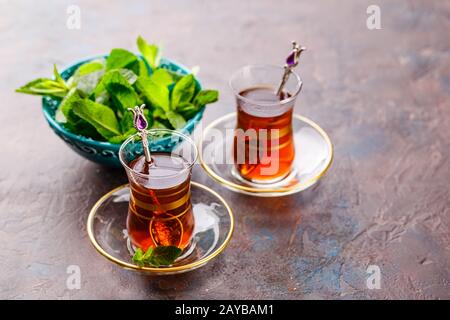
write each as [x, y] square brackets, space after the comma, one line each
[104, 144]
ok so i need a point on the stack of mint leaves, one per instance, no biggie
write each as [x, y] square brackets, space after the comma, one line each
[95, 99]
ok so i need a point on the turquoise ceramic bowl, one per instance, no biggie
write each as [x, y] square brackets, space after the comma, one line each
[101, 152]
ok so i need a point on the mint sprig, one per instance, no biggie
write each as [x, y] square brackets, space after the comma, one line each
[155, 257]
[56, 89]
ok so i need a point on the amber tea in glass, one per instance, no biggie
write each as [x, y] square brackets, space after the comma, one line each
[263, 149]
[160, 210]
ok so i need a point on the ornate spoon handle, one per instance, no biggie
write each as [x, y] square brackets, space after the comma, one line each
[291, 63]
[141, 124]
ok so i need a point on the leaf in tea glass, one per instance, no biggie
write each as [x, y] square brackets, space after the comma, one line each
[150, 52]
[100, 116]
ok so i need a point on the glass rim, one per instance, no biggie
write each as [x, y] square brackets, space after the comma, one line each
[265, 104]
[149, 132]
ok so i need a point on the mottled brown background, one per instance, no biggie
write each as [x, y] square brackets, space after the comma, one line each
[382, 95]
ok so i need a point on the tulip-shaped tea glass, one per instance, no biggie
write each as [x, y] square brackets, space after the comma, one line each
[160, 209]
[263, 149]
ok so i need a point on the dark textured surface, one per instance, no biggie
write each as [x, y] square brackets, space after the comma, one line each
[382, 95]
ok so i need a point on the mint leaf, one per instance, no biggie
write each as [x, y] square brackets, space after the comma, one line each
[120, 91]
[183, 91]
[101, 95]
[122, 137]
[148, 254]
[206, 96]
[175, 119]
[147, 258]
[137, 258]
[143, 70]
[66, 105]
[89, 67]
[88, 74]
[150, 52]
[129, 75]
[156, 94]
[154, 257]
[70, 120]
[122, 59]
[162, 77]
[165, 255]
[176, 75]
[84, 128]
[159, 113]
[127, 122]
[99, 116]
[44, 87]
[58, 77]
[87, 83]
[158, 125]
[187, 110]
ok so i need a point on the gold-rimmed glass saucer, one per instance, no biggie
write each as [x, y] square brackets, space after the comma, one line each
[214, 225]
[313, 157]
